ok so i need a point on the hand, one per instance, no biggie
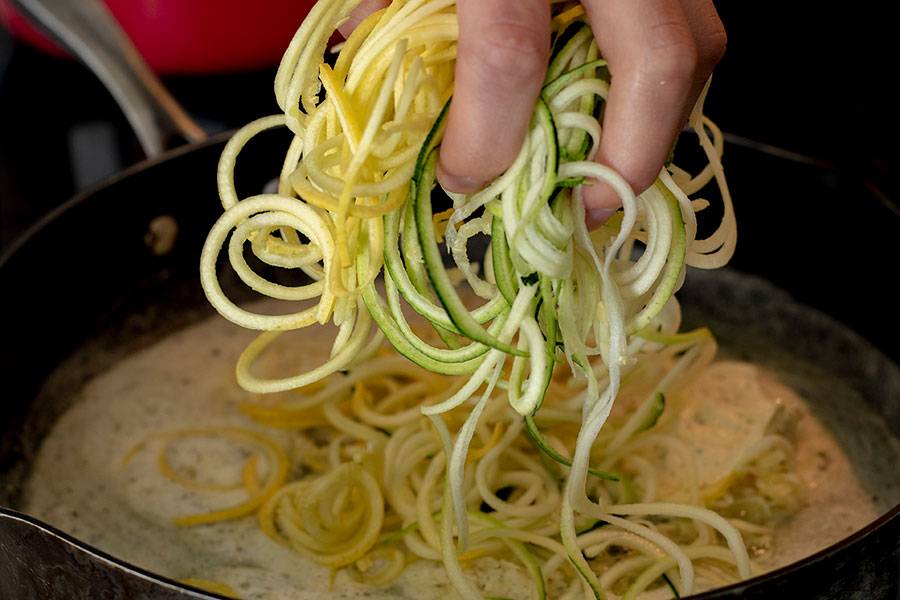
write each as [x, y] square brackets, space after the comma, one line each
[660, 54]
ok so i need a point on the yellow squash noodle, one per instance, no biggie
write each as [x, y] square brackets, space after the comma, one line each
[333, 519]
[353, 207]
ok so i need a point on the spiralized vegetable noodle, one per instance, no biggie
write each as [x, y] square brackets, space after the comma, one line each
[557, 322]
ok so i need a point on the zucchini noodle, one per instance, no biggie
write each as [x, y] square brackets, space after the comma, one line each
[276, 463]
[333, 519]
[368, 492]
[551, 464]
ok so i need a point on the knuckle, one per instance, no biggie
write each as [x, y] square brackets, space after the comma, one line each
[514, 52]
[710, 35]
[672, 54]
[713, 47]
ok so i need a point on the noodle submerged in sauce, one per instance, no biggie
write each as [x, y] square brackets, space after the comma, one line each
[99, 477]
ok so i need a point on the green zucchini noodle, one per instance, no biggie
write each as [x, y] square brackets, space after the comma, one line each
[491, 430]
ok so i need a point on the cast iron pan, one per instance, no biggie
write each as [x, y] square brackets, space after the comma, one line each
[100, 278]
[92, 282]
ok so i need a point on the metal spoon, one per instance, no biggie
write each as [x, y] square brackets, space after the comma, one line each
[38, 562]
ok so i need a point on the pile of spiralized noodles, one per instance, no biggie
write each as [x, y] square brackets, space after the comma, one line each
[509, 405]
[361, 485]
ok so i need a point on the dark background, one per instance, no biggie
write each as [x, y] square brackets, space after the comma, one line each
[799, 77]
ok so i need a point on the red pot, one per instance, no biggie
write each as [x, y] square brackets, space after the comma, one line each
[188, 37]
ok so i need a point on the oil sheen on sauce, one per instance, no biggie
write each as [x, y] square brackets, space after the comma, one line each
[82, 484]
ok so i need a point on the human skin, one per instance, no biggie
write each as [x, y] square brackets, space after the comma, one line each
[660, 54]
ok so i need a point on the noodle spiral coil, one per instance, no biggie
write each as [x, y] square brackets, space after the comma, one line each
[332, 520]
[354, 204]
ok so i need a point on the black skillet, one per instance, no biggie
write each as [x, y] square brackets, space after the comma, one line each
[98, 278]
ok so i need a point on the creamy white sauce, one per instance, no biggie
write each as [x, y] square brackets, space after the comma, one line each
[82, 485]
[725, 410]
[728, 406]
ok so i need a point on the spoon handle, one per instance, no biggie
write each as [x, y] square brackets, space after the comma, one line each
[89, 31]
[38, 562]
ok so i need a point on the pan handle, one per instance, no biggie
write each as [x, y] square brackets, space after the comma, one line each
[89, 31]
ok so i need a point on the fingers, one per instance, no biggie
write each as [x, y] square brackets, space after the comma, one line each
[709, 34]
[503, 49]
[660, 54]
[358, 14]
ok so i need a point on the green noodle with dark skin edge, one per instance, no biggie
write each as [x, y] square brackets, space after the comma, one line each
[354, 207]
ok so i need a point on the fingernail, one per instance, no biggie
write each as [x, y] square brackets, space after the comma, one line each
[601, 202]
[456, 183]
[596, 217]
